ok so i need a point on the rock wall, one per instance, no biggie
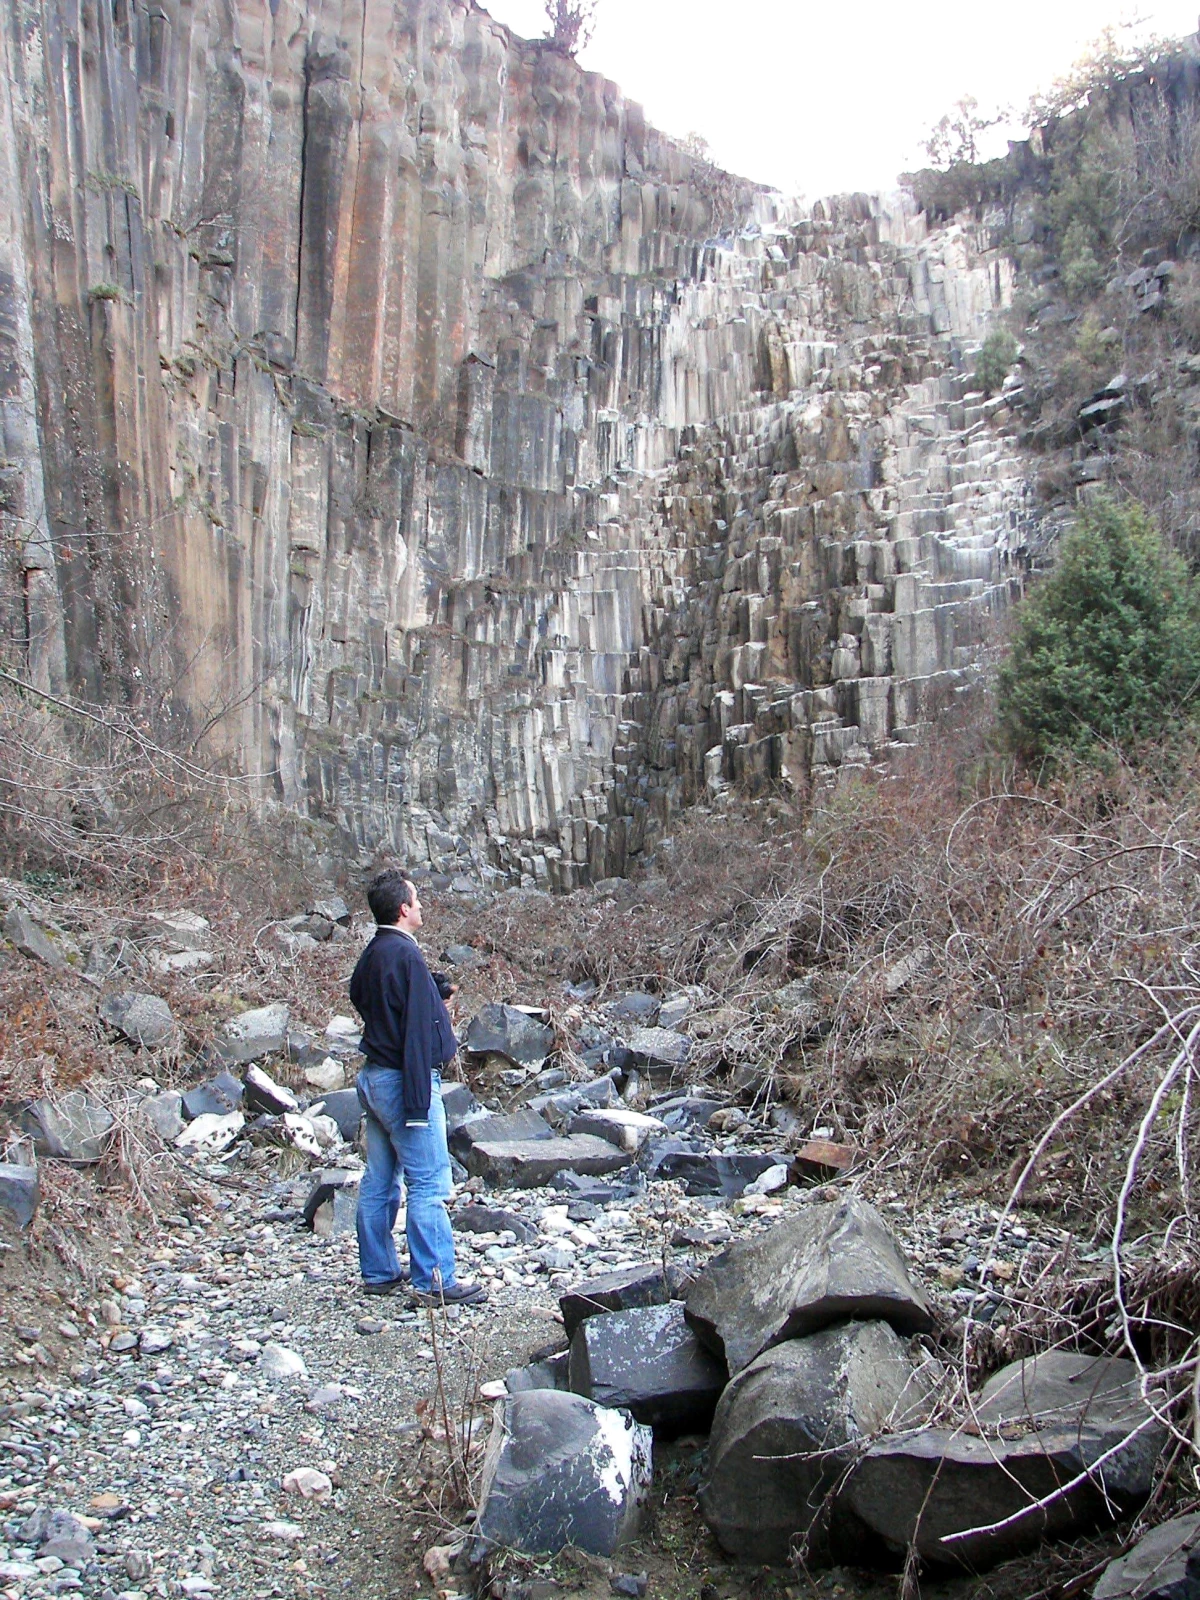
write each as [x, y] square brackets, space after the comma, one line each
[385, 400]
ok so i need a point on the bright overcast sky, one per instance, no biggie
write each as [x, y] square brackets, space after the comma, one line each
[820, 97]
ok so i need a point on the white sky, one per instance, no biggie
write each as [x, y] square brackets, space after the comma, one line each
[816, 97]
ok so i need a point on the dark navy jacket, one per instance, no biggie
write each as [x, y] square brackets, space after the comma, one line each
[405, 1022]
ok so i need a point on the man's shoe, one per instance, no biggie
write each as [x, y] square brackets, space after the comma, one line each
[388, 1286]
[450, 1294]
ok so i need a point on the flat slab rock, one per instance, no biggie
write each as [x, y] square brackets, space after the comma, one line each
[641, 1285]
[497, 1127]
[785, 1431]
[649, 1361]
[826, 1265]
[1165, 1565]
[1045, 1420]
[560, 1471]
[529, 1163]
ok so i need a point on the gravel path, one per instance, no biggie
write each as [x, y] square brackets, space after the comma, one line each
[172, 1424]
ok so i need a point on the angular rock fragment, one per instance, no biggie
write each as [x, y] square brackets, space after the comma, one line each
[826, 1265]
[333, 908]
[648, 1360]
[642, 1285]
[628, 1130]
[254, 1034]
[210, 1133]
[489, 1219]
[529, 1163]
[1164, 1565]
[561, 1105]
[74, 1128]
[144, 1019]
[31, 939]
[510, 1032]
[326, 1186]
[785, 1431]
[634, 1007]
[497, 1127]
[704, 1171]
[685, 1111]
[625, 1183]
[552, 1372]
[216, 1098]
[326, 1076]
[164, 1113]
[658, 1049]
[344, 1106]
[459, 1104]
[561, 1471]
[1044, 1422]
[260, 1092]
[19, 1193]
[820, 1159]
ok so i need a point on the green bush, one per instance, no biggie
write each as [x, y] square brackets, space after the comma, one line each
[1107, 648]
[996, 356]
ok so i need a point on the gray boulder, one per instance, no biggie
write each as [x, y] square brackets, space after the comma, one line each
[529, 1163]
[648, 1360]
[254, 1034]
[635, 1007]
[786, 1429]
[75, 1128]
[826, 1265]
[164, 1113]
[143, 1018]
[628, 1287]
[344, 1106]
[507, 1031]
[19, 1193]
[1165, 1565]
[1044, 1422]
[31, 939]
[463, 956]
[561, 1471]
[216, 1098]
[332, 907]
[497, 1127]
[260, 1092]
[658, 1049]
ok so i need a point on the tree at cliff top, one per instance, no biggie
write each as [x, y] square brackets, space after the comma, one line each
[571, 24]
[1107, 649]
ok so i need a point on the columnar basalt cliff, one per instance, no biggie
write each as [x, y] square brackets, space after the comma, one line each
[457, 449]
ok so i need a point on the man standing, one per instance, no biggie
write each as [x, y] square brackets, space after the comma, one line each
[406, 1039]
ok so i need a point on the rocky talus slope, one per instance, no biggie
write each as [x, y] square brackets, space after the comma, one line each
[462, 453]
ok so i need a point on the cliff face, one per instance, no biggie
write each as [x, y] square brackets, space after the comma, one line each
[383, 392]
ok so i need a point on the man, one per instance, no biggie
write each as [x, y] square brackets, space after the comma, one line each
[407, 1038]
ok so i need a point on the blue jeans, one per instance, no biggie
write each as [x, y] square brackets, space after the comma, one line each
[422, 1156]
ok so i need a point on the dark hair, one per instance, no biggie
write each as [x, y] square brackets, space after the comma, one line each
[387, 893]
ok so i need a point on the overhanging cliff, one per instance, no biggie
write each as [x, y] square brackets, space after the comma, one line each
[379, 389]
